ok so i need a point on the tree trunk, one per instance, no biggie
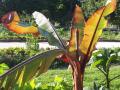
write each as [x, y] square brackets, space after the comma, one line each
[78, 75]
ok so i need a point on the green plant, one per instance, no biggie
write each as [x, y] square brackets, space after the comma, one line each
[110, 35]
[95, 87]
[77, 53]
[102, 59]
[32, 44]
[3, 68]
[59, 83]
[13, 56]
[91, 75]
[115, 16]
[89, 6]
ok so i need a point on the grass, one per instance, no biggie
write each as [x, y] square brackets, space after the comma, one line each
[91, 75]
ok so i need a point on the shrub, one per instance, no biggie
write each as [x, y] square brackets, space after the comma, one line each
[58, 84]
[3, 68]
[102, 60]
[13, 56]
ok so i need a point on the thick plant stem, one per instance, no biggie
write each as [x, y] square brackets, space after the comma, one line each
[78, 75]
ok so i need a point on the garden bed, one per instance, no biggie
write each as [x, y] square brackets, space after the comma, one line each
[91, 75]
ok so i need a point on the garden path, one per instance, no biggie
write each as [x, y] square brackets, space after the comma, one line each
[46, 45]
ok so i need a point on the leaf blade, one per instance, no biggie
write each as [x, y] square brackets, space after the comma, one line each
[23, 67]
[77, 27]
[48, 30]
[93, 28]
[14, 26]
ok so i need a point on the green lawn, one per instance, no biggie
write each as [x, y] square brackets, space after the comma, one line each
[90, 76]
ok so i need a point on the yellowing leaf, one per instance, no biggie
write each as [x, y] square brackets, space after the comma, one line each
[73, 43]
[16, 17]
[78, 21]
[11, 21]
[20, 79]
[94, 26]
[21, 29]
[110, 7]
[76, 29]
[32, 83]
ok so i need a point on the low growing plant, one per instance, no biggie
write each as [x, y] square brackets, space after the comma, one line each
[102, 60]
[59, 83]
[3, 68]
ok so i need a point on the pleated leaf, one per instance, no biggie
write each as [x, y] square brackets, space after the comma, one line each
[28, 69]
[94, 26]
[48, 30]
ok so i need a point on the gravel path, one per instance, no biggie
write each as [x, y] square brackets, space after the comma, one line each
[46, 45]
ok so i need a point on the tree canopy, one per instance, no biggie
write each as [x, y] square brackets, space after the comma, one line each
[56, 10]
[116, 15]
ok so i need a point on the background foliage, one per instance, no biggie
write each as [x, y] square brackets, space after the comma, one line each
[13, 56]
[58, 11]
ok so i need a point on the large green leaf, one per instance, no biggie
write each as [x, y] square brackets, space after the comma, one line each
[96, 63]
[112, 57]
[3, 67]
[26, 70]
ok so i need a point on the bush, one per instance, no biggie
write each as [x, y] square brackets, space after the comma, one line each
[3, 68]
[13, 56]
[102, 60]
[110, 35]
[5, 34]
[64, 33]
[58, 84]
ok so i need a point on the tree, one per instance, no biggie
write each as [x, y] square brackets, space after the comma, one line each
[59, 11]
[77, 53]
[56, 10]
[116, 16]
[90, 6]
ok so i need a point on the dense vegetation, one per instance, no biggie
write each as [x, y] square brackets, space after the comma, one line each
[62, 79]
[55, 10]
[64, 33]
[13, 56]
[89, 80]
[58, 11]
[116, 16]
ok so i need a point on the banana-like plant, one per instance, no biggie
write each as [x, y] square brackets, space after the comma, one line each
[84, 36]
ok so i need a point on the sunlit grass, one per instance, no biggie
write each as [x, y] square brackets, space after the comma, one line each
[91, 75]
